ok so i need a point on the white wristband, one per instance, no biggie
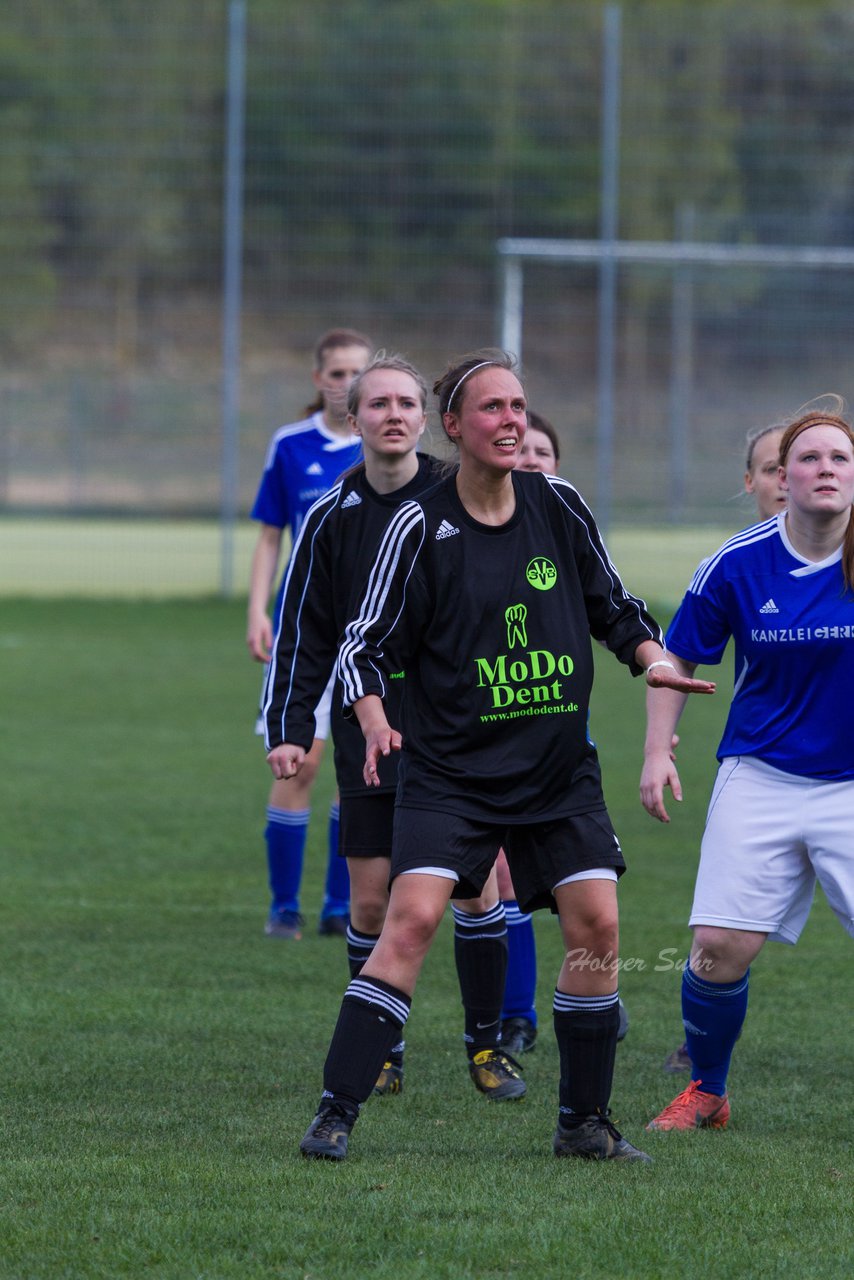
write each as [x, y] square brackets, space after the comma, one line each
[662, 662]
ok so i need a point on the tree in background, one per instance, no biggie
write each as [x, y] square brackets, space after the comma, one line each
[27, 107]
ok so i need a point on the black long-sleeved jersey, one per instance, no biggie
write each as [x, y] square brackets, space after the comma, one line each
[324, 583]
[492, 625]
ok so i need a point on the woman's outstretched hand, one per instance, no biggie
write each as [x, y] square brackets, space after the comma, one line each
[663, 675]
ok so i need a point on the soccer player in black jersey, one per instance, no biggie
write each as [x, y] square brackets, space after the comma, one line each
[322, 590]
[540, 451]
[491, 586]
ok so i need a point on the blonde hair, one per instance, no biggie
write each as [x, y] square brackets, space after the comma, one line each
[333, 340]
[753, 440]
[385, 360]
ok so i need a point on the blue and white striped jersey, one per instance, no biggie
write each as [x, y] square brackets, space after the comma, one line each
[303, 461]
[792, 623]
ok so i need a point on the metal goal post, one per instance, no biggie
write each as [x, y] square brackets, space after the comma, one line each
[607, 255]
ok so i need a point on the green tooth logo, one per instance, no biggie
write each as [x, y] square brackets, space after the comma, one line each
[541, 573]
[515, 618]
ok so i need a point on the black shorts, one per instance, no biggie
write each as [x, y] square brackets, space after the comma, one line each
[365, 825]
[540, 854]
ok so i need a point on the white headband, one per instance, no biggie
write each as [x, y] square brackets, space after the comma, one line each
[473, 369]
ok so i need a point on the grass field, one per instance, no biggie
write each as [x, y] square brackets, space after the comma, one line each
[175, 559]
[110, 558]
[160, 1058]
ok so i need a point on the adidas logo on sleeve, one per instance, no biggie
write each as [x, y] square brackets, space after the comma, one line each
[445, 530]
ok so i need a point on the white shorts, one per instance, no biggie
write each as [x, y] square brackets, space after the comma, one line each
[769, 836]
[322, 712]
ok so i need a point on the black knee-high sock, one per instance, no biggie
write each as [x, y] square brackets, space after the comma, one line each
[480, 949]
[359, 949]
[586, 1030]
[373, 1014]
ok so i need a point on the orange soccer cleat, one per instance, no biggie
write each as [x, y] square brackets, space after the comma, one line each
[693, 1109]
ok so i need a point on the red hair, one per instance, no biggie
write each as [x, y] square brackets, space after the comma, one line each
[815, 418]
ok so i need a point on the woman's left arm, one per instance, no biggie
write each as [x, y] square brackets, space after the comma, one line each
[663, 672]
[380, 738]
[670, 682]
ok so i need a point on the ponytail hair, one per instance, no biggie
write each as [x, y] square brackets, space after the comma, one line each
[815, 418]
[333, 340]
[385, 360]
[450, 388]
[753, 439]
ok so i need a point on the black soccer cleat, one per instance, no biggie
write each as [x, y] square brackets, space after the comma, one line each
[677, 1061]
[333, 926]
[518, 1035]
[624, 1022]
[497, 1075]
[327, 1136]
[390, 1079]
[595, 1138]
[284, 924]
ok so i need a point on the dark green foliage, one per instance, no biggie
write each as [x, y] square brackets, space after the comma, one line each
[389, 145]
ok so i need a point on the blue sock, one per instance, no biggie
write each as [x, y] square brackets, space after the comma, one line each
[520, 989]
[336, 898]
[285, 835]
[713, 1014]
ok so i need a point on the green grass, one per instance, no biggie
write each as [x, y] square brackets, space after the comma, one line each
[144, 559]
[160, 1057]
[86, 558]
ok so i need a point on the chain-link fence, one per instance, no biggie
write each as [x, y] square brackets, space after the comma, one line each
[388, 146]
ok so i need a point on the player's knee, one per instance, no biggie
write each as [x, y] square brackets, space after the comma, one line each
[596, 927]
[368, 913]
[308, 773]
[723, 954]
[295, 792]
[477, 906]
[412, 934]
[605, 937]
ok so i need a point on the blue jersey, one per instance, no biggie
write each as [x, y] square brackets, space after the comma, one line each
[303, 461]
[792, 622]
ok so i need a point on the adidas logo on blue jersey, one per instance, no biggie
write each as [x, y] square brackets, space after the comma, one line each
[315, 469]
[445, 530]
[352, 499]
[769, 607]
